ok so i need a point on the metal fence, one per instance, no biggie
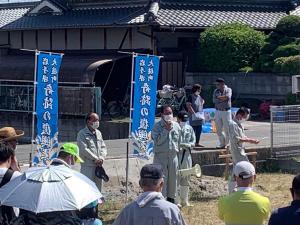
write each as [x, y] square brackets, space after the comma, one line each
[285, 128]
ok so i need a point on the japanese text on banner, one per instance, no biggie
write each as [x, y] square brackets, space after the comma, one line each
[144, 103]
[48, 66]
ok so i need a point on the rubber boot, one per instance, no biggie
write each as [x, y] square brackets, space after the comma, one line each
[184, 195]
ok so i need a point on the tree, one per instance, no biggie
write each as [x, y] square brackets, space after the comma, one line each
[229, 47]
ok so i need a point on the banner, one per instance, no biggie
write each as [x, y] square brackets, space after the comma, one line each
[144, 103]
[47, 70]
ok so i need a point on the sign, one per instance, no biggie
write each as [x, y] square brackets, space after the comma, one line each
[47, 70]
[144, 103]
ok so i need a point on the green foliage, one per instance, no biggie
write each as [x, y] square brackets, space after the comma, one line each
[286, 50]
[246, 69]
[229, 47]
[289, 64]
[289, 25]
[291, 99]
[280, 46]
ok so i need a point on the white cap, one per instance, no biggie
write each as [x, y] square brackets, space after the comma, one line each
[244, 170]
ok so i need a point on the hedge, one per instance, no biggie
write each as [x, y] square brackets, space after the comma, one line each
[289, 64]
[286, 50]
[229, 47]
[289, 25]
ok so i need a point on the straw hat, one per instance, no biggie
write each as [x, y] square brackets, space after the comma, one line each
[9, 133]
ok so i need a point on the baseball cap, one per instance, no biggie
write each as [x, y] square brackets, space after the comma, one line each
[72, 149]
[296, 182]
[152, 171]
[244, 170]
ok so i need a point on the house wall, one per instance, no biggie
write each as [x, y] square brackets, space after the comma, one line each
[4, 38]
[78, 39]
[170, 39]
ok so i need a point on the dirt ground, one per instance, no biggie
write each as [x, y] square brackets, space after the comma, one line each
[204, 196]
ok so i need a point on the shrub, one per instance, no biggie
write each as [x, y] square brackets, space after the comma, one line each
[229, 47]
[289, 64]
[246, 69]
[289, 25]
[286, 50]
[268, 48]
[264, 63]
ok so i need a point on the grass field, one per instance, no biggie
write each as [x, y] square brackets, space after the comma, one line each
[274, 186]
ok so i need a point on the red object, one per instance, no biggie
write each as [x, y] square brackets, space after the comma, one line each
[264, 110]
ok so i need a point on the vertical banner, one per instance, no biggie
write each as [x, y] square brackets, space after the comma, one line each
[144, 103]
[47, 70]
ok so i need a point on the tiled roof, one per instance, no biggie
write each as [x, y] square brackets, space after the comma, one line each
[9, 15]
[260, 17]
[296, 11]
[81, 18]
[171, 13]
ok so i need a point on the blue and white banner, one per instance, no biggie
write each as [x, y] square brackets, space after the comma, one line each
[48, 66]
[144, 103]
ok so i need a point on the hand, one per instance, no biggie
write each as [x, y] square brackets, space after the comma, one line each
[254, 141]
[14, 164]
[99, 162]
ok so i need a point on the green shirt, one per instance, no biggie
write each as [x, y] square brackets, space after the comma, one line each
[244, 207]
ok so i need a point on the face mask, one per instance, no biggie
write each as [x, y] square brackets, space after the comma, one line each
[182, 124]
[95, 125]
[168, 118]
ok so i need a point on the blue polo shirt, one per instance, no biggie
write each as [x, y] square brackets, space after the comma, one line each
[286, 216]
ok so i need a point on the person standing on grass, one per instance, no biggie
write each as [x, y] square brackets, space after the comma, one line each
[222, 100]
[244, 207]
[187, 142]
[165, 135]
[195, 108]
[289, 215]
[150, 208]
[92, 148]
[238, 139]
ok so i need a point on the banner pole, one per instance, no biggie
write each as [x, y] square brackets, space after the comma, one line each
[33, 107]
[130, 123]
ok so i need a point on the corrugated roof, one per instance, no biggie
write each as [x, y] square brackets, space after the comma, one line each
[179, 15]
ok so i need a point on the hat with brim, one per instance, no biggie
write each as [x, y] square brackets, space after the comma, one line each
[9, 134]
[73, 150]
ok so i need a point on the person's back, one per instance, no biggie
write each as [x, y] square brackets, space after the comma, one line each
[157, 211]
[289, 215]
[244, 207]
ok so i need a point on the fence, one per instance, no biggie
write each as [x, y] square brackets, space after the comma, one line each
[75, 102]
[285, 129]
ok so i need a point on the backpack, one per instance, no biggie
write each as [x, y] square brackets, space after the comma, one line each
[6, 212]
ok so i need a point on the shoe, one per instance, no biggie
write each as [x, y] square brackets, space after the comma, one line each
[198, 145]
[221, 147]
[184, 196]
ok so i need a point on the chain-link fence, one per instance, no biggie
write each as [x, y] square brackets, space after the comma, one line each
[285, 128]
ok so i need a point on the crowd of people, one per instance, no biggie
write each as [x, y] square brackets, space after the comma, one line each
[165, 190]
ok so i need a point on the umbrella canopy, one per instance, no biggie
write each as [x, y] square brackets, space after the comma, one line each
[47, 189]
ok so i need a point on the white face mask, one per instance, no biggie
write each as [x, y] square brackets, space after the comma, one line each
[182, 124]
[168, 118]
[243, 120]
[95, 125]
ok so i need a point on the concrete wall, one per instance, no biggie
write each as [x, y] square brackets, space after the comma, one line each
[252, 85]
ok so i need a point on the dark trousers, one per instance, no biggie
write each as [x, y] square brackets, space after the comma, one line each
[198, 131]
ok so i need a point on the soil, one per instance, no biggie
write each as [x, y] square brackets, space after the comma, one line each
[202, 188]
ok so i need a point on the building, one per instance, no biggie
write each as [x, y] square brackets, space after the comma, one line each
[92, 33]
